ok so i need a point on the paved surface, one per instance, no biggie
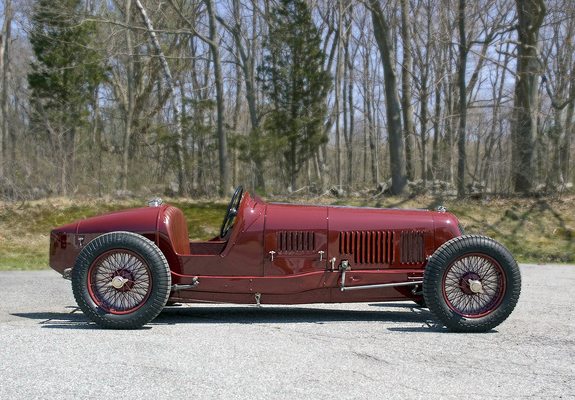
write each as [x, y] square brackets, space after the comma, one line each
[367, 351]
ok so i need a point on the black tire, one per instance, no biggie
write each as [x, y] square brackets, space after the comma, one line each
[421, 302]
[471, 284]
[121, 280]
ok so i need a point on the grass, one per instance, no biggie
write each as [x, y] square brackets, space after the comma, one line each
[535, 230]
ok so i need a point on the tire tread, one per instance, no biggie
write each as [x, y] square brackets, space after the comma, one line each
[161, 281]
[444, 256]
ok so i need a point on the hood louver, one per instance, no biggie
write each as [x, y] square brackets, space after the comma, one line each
[368, 247]
[295, 241]
[412, 247]
[377, 247]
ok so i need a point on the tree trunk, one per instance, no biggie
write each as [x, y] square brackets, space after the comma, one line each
[436, 133]
[462, 68]
[129, 109]
[493, 137]
[337, 96]
[351, 127]
[369, 124]
[221, 133]
[424, 121]
[4, 67]
[530, 14]
[182, 185]
[348, 108]
[406, 97]
[569, 125]
[97, 140]
[246, 59]
[382, 33]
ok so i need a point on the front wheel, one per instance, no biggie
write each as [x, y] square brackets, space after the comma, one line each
[121, 280]
[471, 284]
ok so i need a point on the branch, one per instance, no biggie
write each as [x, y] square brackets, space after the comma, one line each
[554, 103]
[191, 25]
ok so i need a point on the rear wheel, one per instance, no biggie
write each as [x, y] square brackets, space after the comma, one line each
[471, 284]
[121, 280]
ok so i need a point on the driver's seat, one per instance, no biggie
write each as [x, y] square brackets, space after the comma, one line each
[177, 228]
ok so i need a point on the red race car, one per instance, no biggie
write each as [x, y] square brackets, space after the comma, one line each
[126, 266]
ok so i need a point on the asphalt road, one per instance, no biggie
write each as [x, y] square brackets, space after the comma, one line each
[367, 351]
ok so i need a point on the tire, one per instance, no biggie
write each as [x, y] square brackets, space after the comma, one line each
[121, 280]
[471, 284]
[421, 302]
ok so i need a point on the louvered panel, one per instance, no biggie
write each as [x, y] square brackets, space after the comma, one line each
[367, 247]
[412, 247]
[295, 241]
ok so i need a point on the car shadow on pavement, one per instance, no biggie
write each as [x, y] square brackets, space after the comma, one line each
[284, 314]
[74, 319]
[221, 314]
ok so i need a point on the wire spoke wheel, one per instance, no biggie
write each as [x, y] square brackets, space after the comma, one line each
[473, 285]
[119, 281]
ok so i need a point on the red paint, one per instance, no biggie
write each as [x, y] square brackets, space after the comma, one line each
[381, 245]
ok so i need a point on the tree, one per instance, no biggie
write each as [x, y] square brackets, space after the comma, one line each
[212, 41]
[246, 46]
[382, 32]
[169, 80]
[4, 63]
[461, 85]
[219, 80]
[63, 77]
[407, 109]
[296, 85]
[530, 14]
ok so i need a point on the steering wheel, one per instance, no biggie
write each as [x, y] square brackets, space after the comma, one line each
[232, 211]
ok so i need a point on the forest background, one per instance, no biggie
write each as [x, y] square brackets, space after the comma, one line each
[192, 97]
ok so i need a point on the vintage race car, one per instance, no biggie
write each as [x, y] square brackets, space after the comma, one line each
[127, 266]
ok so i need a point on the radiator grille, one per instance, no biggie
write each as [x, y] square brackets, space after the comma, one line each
[412, 247]
[295, 241]
[368, 247]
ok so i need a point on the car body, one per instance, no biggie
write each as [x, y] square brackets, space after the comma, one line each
[276, 253]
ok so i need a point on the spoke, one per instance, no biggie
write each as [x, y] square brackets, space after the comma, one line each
[458, 293]
[136, 287]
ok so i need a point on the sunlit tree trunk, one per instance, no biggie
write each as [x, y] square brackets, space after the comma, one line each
[461, 134]
[530, 14]
[5, 35]
[383, 34]
[406, 98]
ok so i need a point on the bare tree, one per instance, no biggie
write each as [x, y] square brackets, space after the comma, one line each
[382, 33]
[182, 184]
[559, 82]
[406, 99]
[461, 71]
[245, 56]
[530, 14]
[129, 96]
[221, 133]
[5, 35]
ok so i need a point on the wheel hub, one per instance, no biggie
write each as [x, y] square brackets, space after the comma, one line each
[470, 283]
[118, 282]
[475, 285]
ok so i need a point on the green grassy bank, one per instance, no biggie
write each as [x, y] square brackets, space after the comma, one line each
[535, 230]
